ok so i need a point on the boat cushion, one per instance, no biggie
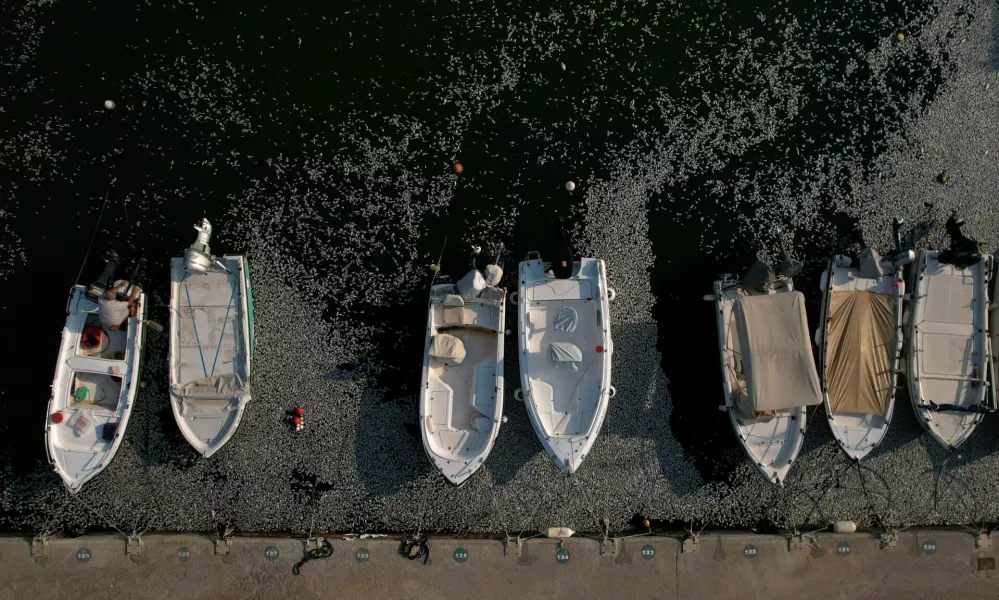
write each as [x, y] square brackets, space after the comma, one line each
[776, 351]
[448, 349]
[566, 319]
[861, 343]
[565, 355]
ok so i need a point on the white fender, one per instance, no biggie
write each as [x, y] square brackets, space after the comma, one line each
[611, 392]
[514, 298]
[611, 294]
[518, 395]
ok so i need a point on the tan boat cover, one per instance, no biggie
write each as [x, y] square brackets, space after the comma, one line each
[861, 340]
[776, 352]
[448, 349]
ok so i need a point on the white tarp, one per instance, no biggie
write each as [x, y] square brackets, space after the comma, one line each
[566, 319]
[776, 352]
[471, 284]
[448, 349]
[565, 355]
[220, 386]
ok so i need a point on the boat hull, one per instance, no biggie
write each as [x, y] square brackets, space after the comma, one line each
[461, 405]
[211, 349]
[93, 391]
[566, 400]
[948, 352]
[858, 434]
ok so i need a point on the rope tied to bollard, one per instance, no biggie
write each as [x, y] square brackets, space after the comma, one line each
[325, 550]
[416, 548]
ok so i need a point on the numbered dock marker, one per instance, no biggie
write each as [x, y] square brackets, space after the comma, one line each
[842, 548]
[83, 554]
[184, 554]
[929, 546]
[362, 555]
[460, 555]
[749, 551]
[271, 553]
[562, 556]
[648, 552]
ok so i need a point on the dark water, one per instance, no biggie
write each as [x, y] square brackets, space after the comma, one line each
[268, 117]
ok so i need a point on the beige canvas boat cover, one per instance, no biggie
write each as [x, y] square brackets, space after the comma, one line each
[448, 349]
[776, 352]
[861, 340]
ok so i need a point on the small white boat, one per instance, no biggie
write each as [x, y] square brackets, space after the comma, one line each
[211, 343]
[860, 345]
[565, 355]
[96, 379]
[461, 397]
[768, 371]
[948, 351]
[994, 331]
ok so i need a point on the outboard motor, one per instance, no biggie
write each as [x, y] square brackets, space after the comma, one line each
[562, 261]
[964, 251]
[198, 258]
[106, 279]
[759, 277]
[901, 257]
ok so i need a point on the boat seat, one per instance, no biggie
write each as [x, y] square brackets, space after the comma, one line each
[482, 315]
[452, 309]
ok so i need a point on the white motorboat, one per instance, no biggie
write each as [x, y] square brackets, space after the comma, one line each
[860, 345]
[948, 351]
[211, 343]
[93, 393]
[461, 397]
[768, 371]
[994, 330]
[565, 354]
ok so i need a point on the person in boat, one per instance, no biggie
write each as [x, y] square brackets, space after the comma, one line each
[115, 306]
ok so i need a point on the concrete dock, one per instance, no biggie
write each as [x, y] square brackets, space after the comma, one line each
[920, 564]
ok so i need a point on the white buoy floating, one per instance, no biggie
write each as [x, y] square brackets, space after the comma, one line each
[570, 186]
[109, 104]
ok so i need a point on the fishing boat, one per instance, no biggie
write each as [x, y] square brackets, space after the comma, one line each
[948, 351]
[96, 380]
[461, 397]
[768, 371]
[211, 343]
[565, 353]
[994, 330]
[860, 344]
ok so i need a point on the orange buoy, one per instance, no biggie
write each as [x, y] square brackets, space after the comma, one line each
[299, 411]
[57, 417]
[457, 168]
[297, 420]
[600, 349]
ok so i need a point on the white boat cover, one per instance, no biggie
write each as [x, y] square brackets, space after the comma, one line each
[447, 348]
[471, 284]
[565, 355]
[860, 346]
[219, 386]
[566, 319]
[776, 352]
